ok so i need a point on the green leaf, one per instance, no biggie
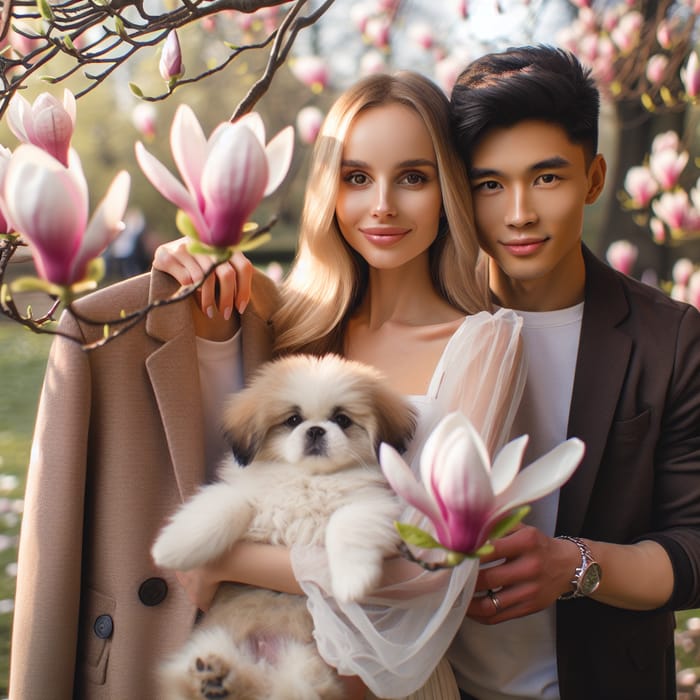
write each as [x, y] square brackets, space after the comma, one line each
[135, 89]
[45, 10]
[34, 284]
[251, 244]
[185, 226]
[503, 527]
[417, 537]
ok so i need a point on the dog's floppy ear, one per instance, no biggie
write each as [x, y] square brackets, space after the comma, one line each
[396, 418]
[242, 426]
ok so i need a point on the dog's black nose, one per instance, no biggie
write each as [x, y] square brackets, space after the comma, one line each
[315, 432]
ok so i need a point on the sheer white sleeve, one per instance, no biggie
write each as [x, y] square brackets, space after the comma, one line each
[394, 640]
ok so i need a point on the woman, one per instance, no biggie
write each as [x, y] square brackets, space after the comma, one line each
[386, 273]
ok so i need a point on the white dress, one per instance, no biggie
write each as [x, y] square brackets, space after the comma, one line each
[395, 639]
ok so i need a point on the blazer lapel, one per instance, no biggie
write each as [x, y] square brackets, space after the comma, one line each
[603, 357]
[174, 375]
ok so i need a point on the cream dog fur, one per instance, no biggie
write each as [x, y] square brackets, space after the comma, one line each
[305, 436]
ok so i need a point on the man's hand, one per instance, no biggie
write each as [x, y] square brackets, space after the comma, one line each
[529, 572]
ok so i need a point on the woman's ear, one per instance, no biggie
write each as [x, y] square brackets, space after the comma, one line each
[596, 178]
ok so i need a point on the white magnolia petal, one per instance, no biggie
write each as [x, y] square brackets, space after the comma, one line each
[403, 481]
[18, 112]
[189, 148]
[436, 442]
[69, 104]
[255, 123]
[106, 222]
[543, 476]
[507, 463]
[279, 157]
[75, 167]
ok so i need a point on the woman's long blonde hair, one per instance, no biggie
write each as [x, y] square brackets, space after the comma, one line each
[328, 278]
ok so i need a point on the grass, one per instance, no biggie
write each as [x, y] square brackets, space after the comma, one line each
[22, 361]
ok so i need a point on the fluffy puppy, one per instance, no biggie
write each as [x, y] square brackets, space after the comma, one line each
[304, 436]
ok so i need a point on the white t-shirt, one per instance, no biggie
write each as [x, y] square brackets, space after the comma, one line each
[220, 374]
[517, 659]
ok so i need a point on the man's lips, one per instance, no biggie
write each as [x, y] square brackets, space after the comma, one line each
[525, 246]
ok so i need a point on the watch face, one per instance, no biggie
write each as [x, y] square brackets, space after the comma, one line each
[590, 580]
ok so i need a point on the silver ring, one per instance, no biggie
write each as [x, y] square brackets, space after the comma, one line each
[494, 599]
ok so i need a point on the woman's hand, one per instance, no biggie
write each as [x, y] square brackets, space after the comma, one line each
[200, 585]
[226, 289]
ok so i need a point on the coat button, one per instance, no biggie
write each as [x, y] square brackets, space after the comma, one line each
[153, 591]
[103, 626]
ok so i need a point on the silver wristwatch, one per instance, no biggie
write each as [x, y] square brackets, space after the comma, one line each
[587, 576]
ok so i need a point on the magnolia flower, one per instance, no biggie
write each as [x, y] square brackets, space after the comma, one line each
[48, 204]
[682, 269]
[312, 71]
[622, 255]
[656, 68]
[666, 166]
[468, 500]
[690, 76]
[658, 230]
[372, 62]
[309, 120]
[641, 185]
[5, 155]
[225, 177]
[143, 117]
[170, 66]
[47, 123]
[672, 208]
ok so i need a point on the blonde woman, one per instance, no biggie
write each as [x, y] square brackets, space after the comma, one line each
[385, 273]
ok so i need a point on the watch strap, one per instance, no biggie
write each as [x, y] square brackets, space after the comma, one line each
[586, 561]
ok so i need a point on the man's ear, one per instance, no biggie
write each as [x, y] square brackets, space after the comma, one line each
[596, 178]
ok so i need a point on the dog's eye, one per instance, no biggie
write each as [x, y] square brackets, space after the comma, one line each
[293, 420]
[343, 421]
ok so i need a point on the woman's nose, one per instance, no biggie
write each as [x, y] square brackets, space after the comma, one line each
[383, 204]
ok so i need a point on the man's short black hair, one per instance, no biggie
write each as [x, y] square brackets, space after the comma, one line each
[525, 83]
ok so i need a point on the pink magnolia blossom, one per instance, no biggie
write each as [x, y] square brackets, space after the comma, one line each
[48, 204]
[422, 34]
[143, 117]
[694, 289]
[690, 76]
[682, 269]
[641, 185]
[666, 141]
[372, 62]
[656, 68]
[463, 495]
[170, 64]
[46, 123]
[309, 120]
[377, 30]
[666, 166]
[310, 70]
[672, 208]
[5, 155]
[666, 34]
[622, 255]
[626, 33]
[225, 177]
[658, 230]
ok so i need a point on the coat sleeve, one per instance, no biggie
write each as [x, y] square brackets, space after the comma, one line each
[677, 467]
[47, 600]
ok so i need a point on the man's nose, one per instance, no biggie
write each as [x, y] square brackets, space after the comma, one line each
[521, 211]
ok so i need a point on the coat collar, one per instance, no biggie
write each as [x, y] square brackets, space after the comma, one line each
[603, 356]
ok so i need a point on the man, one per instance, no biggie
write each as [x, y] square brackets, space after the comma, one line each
[580, 600]
[124, 434]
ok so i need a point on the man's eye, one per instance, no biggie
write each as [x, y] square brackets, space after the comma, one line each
[293, 420]
[548, 178]
[487, 185]
[343, 421]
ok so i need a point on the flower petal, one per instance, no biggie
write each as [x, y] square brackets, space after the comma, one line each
[18, 112]
[279, 157]
[189, 147]
[541, 477]
[105, 225]
[403, 481]
[507, 463]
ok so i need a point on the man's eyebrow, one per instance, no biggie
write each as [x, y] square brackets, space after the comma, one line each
[553, 163]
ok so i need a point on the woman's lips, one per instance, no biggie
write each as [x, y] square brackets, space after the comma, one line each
[384, 235]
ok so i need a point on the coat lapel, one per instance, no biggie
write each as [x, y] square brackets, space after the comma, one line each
[603, 357]
[174, 376]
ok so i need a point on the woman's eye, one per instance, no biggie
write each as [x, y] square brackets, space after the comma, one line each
[293, 420]
[356, 179]
[414, 178]
[343, 421]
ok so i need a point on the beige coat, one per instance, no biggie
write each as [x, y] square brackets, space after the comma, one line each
[118, 445]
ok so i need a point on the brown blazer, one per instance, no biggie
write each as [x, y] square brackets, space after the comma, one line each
[636, 405]
[118, 445]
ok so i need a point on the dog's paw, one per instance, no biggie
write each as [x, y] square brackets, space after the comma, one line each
[213, 677]
[354, 573]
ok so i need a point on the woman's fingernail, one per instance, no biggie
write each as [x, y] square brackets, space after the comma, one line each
[242, 307]
[227, 313]
[210, 311]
